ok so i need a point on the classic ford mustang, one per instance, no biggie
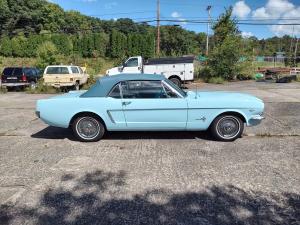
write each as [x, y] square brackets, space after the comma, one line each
[144, 102]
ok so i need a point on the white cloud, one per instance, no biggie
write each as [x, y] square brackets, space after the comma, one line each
[279, 10]
[247, 34]
[175, 14]
[241, 9]
[110, 5]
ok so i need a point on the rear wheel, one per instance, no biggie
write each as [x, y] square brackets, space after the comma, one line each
[32, 85]
[88, 128]
[176, 81]
[227, 127]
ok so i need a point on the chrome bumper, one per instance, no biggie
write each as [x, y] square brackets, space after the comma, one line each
[255, 120]
[14, 84]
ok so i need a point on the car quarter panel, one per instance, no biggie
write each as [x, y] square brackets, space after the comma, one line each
[59, 111]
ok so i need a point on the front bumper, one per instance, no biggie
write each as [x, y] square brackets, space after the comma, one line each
[15, 84]
[255, 120]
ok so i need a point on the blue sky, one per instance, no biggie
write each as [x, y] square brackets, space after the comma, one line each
[258, 11]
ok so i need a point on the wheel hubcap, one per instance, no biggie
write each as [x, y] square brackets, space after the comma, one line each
[88, 128]
[228, 127]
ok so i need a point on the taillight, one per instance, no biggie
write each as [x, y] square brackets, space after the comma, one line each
[71, 79]
[24, 78]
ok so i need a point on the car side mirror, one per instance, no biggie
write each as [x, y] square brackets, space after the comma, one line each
[120, 68]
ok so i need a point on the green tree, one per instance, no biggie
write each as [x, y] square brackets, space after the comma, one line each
[224, 27]
[47, 55]
[224, 58]
[5, 47]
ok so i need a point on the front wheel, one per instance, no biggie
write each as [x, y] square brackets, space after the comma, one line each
[77, 86]
[88, 128]
[227, 127]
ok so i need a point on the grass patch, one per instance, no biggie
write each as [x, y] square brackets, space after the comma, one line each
[216, 80]
[3, 90]
[42, 89]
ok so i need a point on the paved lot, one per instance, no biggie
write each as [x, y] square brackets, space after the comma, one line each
[46, 177]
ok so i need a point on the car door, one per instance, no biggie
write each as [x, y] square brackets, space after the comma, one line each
[153, 105]
[114, 110]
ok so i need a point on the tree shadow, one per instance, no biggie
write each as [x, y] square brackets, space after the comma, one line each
[98, 198]
[61, 133]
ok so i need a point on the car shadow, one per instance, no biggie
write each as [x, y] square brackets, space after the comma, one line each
[61, 133]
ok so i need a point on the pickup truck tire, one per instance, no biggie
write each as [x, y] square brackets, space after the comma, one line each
[227, 127]
[77, 86]
[88, 128]
[176, 81]
[32, 85]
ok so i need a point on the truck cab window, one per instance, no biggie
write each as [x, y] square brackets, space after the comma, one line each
[132, 62]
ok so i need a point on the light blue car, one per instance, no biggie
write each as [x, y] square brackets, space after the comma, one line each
[143, 102]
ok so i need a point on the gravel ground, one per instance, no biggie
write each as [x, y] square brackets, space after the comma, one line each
[47, 177]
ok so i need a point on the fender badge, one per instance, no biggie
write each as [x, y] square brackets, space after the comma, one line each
[203, 119]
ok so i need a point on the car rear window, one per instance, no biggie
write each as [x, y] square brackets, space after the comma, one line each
[8, 71]
[57, 70]
[18, 71]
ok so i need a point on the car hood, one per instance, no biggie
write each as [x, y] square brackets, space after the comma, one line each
[224, 99]
[221, 94]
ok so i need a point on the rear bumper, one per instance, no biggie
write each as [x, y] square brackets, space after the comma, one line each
[15, 84]
[255, 120]
[59, 85]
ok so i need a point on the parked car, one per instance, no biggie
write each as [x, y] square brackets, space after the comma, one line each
[149, 103]
[178, 70]
[65, 76]
[20, 77]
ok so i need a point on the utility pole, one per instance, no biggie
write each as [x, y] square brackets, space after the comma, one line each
[207, 34]
[158, 30]
[295, 54]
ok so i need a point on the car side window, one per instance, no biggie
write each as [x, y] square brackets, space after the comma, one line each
[143, 89]
[115, 92]
[132, 62]
[74, 69]
[169, 92]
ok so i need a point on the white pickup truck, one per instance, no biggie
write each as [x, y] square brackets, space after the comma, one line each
[178, 70]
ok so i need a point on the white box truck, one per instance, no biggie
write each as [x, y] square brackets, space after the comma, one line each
[178, 70]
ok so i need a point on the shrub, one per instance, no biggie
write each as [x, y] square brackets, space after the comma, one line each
[42, 89]
[3, 90]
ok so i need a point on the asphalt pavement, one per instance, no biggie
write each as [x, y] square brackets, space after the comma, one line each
[47, 177]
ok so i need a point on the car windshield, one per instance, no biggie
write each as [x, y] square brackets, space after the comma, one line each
[182, 92]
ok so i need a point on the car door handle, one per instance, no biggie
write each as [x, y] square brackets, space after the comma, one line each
[126, 103]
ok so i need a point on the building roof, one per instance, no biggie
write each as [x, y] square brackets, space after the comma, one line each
[104, 85]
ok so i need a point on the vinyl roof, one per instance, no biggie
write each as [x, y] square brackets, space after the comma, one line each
[104, 85]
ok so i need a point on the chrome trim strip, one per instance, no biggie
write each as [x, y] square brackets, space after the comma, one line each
[110, 116]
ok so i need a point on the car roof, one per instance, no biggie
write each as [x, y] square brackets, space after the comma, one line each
[63, 66]
[104, 85]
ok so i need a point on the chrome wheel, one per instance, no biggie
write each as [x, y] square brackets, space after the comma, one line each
[88, 128]
[228, 127]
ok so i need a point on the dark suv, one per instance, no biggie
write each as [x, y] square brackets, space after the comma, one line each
[20, 77]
